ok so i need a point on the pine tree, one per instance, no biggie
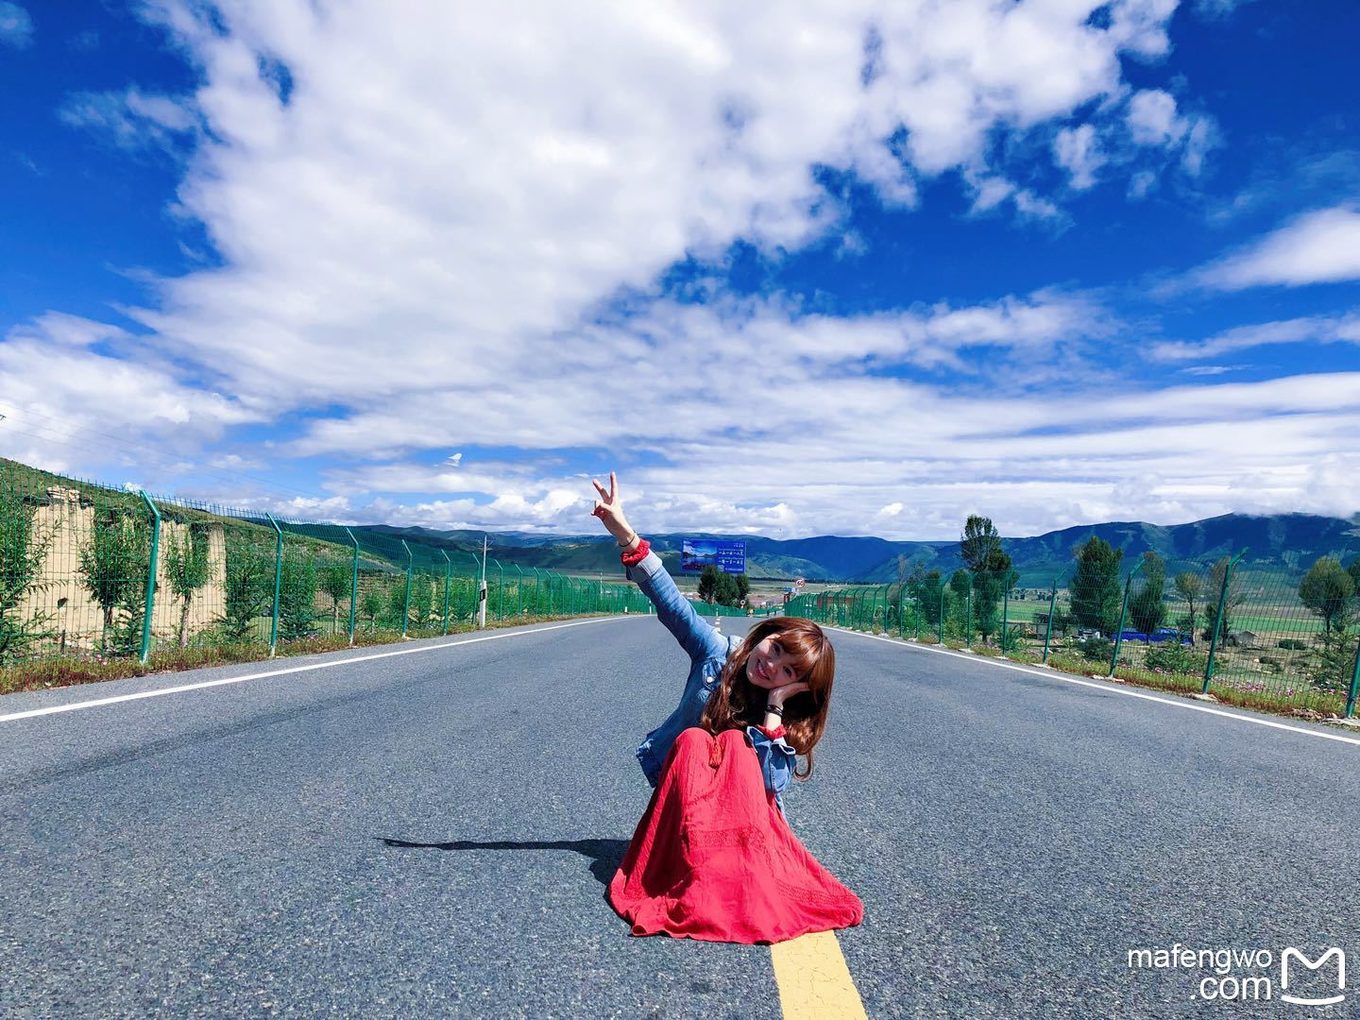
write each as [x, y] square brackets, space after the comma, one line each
[1147, 608]
[1096, 592]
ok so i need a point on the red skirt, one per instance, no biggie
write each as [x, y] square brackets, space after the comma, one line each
[714, 859]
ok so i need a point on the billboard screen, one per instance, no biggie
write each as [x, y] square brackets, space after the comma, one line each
[729, 557]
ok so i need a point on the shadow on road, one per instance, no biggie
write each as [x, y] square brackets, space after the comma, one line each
[605, 854]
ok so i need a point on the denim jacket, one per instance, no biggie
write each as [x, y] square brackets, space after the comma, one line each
[708, 651]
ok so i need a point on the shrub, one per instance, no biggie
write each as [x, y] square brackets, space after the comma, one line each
[1097, 649]
[1172, 657]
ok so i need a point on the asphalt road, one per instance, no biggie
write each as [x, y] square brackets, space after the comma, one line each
[430, 834]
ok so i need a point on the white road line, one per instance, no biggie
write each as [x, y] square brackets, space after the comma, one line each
[1108, 688]
[293, 669]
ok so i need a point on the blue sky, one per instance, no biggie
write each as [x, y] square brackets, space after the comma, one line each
[865, 271]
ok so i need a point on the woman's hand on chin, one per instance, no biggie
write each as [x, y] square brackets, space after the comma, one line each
[779, 695]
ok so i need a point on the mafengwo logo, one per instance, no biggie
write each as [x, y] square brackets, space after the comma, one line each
[1250, 975]
[1292, 955]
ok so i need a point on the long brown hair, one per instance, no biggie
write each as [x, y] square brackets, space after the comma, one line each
[738, 703]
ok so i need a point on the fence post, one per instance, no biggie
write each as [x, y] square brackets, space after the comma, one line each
[406, 607]
[1123, 609]
[968, 618]
[278, 583]
[151, 576]
[942, 590]
[1048, 631]
[1218, 620]
[1355, 684]
[448, 583]
[481, 591]
[1005, 615]
[353, 587]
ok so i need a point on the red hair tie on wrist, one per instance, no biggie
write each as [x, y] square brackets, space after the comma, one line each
[635, 557]
[773, 734]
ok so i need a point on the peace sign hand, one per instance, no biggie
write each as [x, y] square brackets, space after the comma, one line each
[609, 509]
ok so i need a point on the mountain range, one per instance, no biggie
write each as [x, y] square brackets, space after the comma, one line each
[1278, 543]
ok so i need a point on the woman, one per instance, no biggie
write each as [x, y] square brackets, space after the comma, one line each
[713, 857]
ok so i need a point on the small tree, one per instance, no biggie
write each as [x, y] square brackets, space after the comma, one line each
[1234, 598]
[297, 597]
[394, 607]
[1327, 590]
[979, 543]
[961, 587]
[187, 570]
[708, 583]
[1330, 668]
[929, 595]
[422, 601]
[980, 548]
[114, 563]
[371, 605]
[1147, 608]
[336, 581]
[21, 557]
[1189, 586]
[1096, 591]
[248, 590]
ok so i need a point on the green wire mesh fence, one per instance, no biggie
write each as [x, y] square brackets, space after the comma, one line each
[90, 570]
[1268, 635]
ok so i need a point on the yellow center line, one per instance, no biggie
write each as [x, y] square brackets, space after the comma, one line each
[814, 982]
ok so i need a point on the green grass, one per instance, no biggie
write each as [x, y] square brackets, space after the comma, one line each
[1263, 624]
[70, 670]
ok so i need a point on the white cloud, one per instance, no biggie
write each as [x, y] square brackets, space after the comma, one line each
[1153, 121]
[1214, 9]
[1207, 370]
[1076, 151]
[1032, 464]
[1152, 118]
[465, 190]
[64, 389]
[1318, 247]
[1202, 137]
[429, 230]
[1141, 183]
[131, 119]
[1315, 329]
[16, 26]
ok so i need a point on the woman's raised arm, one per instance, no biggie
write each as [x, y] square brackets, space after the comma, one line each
[609, 509]
[696, 637]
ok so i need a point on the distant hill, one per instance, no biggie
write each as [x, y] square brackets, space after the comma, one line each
[1276, 544]
[1286, 543]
